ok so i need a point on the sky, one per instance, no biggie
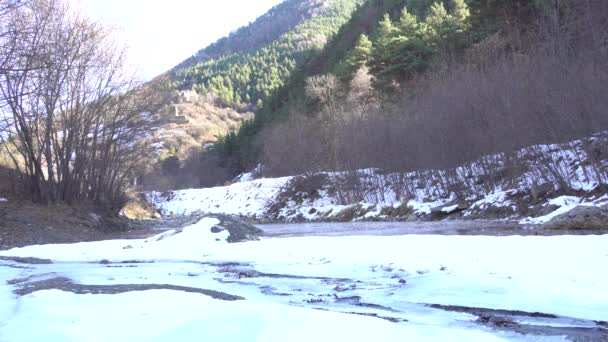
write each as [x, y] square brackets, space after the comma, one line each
[159, 34]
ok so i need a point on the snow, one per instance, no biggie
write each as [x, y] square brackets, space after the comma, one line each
[565, 204]
[162, 315]
[482, 271]
[190, 243]
[562, 201]
[450, 209]
[244, 198]
[484, 190]
[531, 273]
[497, 198]
[424, 207]
[2, 199]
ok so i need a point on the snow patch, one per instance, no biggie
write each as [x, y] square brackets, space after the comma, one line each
[565, 204]
[450, 209]
[241, 199]
[162, 315]
[497, 198]
[424, 208]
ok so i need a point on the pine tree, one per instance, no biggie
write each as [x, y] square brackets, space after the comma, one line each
[459, 18]
[408, 24]
[386, 29]
[360, 55]
[435, 25]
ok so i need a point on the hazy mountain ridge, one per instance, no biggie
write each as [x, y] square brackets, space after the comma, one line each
[246, 68]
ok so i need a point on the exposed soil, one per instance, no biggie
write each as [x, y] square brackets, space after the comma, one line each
[23, 223]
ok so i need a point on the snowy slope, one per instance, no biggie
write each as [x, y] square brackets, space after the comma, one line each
[426, 193]
[243, 199]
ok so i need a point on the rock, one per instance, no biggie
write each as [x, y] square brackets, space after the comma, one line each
[138, 208]
[402, 281]
[402, 210]
[411, 218]
[239, 231]
[216, 229]
[386, 211]
[581, 217]
[547, 209]
[497, 321]
[350, 213]
[462, 206]
[445, 210]
[539, 191]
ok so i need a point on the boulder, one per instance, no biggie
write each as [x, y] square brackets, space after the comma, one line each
[350, 213]
[402, 210]
[541, 190]
[239, 231]
[581, 217]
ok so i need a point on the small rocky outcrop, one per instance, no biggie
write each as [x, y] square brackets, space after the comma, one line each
[239, 231]
[350, 213]
[581, 217]
[402, 211]
[137, 208]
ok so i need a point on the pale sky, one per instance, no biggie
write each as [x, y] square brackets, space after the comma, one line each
[160, 34]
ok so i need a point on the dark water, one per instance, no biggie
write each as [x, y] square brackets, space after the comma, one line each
[455, 227]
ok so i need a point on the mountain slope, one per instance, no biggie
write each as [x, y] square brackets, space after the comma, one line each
[248, 66]
[265, 30]
[222, 85]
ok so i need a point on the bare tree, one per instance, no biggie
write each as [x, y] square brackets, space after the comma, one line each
[74, 116]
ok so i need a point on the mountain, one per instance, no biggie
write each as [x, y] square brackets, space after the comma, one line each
[264, 31]
[410, 84]
[244, 69]
[224, 84]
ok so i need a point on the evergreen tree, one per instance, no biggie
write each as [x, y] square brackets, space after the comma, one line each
[435, 26]
[400, 52]
[459, 18]
[408, 24]
[357, 57]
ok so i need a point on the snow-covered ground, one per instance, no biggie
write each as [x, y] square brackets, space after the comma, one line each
[254, 198]
[244, 198]
[425, 192]
[355, 288]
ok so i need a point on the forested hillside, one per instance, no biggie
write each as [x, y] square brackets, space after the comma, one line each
[252, 63]
[415, 84]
